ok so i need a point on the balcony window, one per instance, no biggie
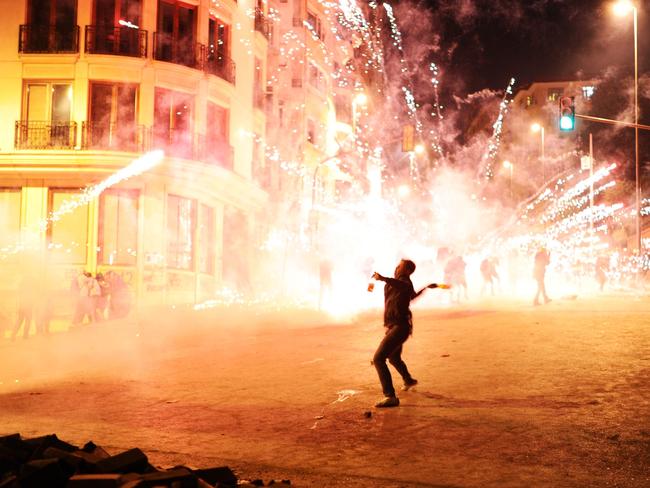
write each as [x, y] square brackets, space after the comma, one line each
[173, 122]
[218, 58]
[115, 29]
[45, 123]
[317, 77]
[206, 240]
[554, 94]
[181, 223]
[118, 227]
[112, 118]
[261, 22]
[316, 27]
[51, 27]
[175, 38]
[68, 236]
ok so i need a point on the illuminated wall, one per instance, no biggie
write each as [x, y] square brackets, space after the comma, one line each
[85, 87]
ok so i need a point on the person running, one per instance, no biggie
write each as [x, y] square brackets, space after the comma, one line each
[398, 294]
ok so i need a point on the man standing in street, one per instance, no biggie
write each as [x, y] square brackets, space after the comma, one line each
[539, 273]
[398, 294]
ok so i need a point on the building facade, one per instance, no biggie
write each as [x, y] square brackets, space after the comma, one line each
[87, 87]
[311, 86]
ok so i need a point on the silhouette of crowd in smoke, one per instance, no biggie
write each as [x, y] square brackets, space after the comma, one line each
[94, 299]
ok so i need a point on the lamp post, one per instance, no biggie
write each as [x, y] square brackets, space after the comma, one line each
[621, 8]
[359, 99]
[509, 166]
[536, 127]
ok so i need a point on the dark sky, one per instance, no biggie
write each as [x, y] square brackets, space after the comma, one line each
[485, 42]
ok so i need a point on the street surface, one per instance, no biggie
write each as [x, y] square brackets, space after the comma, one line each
[510, 395]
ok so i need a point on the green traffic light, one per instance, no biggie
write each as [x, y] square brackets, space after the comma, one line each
[567, 122]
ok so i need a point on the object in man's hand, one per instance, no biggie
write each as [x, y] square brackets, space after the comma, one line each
[371, 286]
[444, 286]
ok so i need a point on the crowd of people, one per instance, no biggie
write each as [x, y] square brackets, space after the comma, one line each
[508, 272]
[99, 297]
[95, 298]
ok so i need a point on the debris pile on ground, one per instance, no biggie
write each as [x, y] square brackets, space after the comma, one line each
[48, 461]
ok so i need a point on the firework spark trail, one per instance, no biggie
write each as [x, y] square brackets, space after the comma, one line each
[495, 140]
[574, 197]
[409, 98]
[435, 143]
[136, 167]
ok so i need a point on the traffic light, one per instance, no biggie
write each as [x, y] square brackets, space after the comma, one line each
[567, 113]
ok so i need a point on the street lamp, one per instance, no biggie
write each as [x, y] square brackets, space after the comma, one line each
[621, 8]
[536, 127]
[359, 99]
[508, 165]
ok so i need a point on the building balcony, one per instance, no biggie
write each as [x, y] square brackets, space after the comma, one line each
[262, 24]
[121, 41]
[221, 66]
[178, 51]
[115, 137]
[216, 152]
[38, 134]
[48, 39]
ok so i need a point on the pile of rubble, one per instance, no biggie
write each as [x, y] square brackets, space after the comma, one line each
[49, 462]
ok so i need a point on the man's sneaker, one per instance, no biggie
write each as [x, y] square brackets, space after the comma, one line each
[388, 402]
[409, 384]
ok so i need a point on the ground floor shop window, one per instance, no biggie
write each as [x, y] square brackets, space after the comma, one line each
[118, 227]
[206, 237]
[68, 236]
[181, 222]
[9, 221]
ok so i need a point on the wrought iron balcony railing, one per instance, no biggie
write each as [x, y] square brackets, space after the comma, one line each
[122, 41]
[178, 51]
[45, 134]
[114, 137]
[262, 24]
[221, 66]
[48, 39]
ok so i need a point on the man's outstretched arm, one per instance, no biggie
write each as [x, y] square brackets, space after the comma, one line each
[402, 285]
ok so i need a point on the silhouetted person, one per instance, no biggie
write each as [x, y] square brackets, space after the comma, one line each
[44, 307]
[398, 294]
[325, 276]
[120, 301]
[86, 290]
[489, 274]
[455, 276]
[542, 260]
[26, 305]
[101, 301]
[602, 266]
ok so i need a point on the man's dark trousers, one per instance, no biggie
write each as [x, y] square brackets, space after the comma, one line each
[391, 348]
